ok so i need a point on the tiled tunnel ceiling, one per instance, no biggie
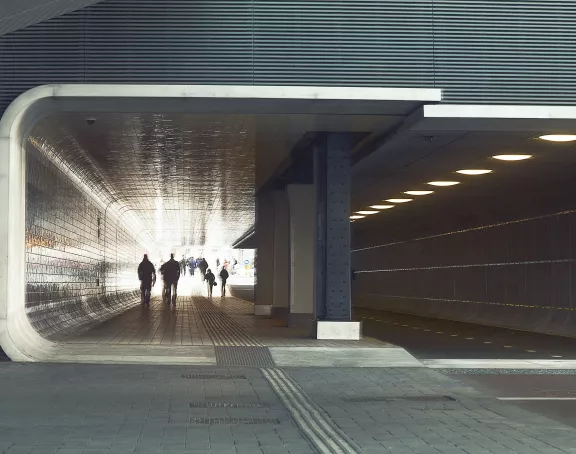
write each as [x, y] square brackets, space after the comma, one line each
[188, 178]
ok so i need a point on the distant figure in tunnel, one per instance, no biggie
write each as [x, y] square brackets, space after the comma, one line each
[147, 276]
[203, 265]
[183, 264]
[170, 274]
[224, 277]
[192, 265]
[211, 279]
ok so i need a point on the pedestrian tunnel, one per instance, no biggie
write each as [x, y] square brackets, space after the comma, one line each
[94, 176]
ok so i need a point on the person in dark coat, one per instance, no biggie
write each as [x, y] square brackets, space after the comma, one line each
[147, 276]
[203, 267]
[170, 274]
[224, 277]
[192, 265]
[211, 280]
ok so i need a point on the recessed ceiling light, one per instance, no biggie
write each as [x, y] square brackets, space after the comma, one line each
[398, 200]
[512, 157]
[381, 207]
[474, 171]
[357, 217]
[559, 137]
[418, 192]
[443, 183]
[366, 212]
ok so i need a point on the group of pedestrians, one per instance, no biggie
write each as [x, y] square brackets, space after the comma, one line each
[171, 272]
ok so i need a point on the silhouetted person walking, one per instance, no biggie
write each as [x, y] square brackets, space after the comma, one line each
[170, 273]
[203, 267]
[224, 277]
[211, 279]
[147, 276]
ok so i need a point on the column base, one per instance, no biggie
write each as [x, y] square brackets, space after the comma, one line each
[262, 309]
[281, 315]
[296, 320]
[338, 330]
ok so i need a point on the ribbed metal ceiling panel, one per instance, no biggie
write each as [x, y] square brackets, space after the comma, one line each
[489, 51]
[506, 51]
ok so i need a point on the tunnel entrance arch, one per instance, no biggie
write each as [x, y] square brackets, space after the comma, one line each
[314, 108]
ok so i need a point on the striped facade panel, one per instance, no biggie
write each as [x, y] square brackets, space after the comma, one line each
[347, 43]
[490, 51]
[506, 51]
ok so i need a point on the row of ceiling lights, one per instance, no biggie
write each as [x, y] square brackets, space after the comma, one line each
[503, 157]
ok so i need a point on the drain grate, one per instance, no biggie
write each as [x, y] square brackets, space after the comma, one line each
[213, 377]
[244, 356]
[400, 398]
[223, 421]
[226, 405]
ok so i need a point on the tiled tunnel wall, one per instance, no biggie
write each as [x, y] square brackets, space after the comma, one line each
[518, 274]
[80, 265]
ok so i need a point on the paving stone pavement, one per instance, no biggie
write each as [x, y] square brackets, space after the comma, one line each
[371, 407]
[83, 408]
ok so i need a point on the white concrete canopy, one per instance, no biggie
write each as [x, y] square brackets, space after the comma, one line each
[324, 105]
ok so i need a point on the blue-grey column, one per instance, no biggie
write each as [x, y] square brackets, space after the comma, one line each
[332, 178]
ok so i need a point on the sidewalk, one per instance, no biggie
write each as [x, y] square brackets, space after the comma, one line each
[90, 409]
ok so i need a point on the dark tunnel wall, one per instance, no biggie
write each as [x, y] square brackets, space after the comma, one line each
[518, 274]
[80, 265]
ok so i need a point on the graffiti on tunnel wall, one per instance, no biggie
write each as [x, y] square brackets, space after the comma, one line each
[80, 266]
[518, 274]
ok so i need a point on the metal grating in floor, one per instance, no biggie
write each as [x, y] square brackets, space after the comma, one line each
[400, 398]
[227, 405]
[232, 421]
[213, 377]
[244, 356]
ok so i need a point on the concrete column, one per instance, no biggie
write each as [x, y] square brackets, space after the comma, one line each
[264, 285]
[281, 292]
[332, 170]
[302, 252]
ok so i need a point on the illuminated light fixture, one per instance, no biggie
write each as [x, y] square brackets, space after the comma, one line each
[366, 212]
[418, 192]
[559, 137]
[443, 183]
[357, 217]
[474, 171]
[398, 200]
[381, 207]
[512, 157]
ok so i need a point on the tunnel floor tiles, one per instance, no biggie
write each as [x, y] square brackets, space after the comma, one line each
[193, 330]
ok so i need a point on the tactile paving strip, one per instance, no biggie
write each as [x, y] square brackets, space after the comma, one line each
[223, 330]
[244, 356]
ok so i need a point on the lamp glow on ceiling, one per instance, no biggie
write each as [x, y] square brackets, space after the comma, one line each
[399, 200]
[443, 183]
[381, 207]
[512, 157]
[357, 217]
[559, 137]
[474, 171]
[418, 192]
[366, 212]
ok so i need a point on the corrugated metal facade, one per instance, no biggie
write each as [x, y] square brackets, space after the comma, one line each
[489, 51]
